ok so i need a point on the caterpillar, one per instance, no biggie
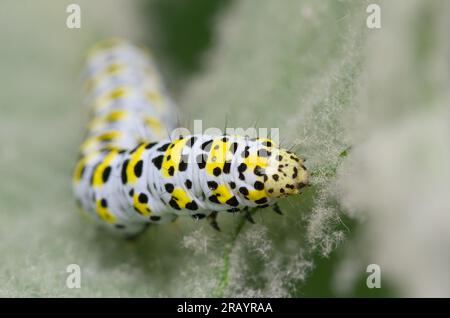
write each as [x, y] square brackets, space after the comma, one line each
[131, 173]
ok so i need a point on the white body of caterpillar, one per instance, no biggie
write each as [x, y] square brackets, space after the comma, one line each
[131, 174]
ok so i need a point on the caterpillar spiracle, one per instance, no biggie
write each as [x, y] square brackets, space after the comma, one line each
[131, 173]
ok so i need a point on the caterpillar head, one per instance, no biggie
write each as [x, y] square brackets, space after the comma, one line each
[286, 174]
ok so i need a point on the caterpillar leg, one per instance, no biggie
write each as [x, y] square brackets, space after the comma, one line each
[248, 216]
[133, 237]
[277, 209]
[212, 218]
[198, 216]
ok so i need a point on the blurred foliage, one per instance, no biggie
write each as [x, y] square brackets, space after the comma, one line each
[179, 32]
